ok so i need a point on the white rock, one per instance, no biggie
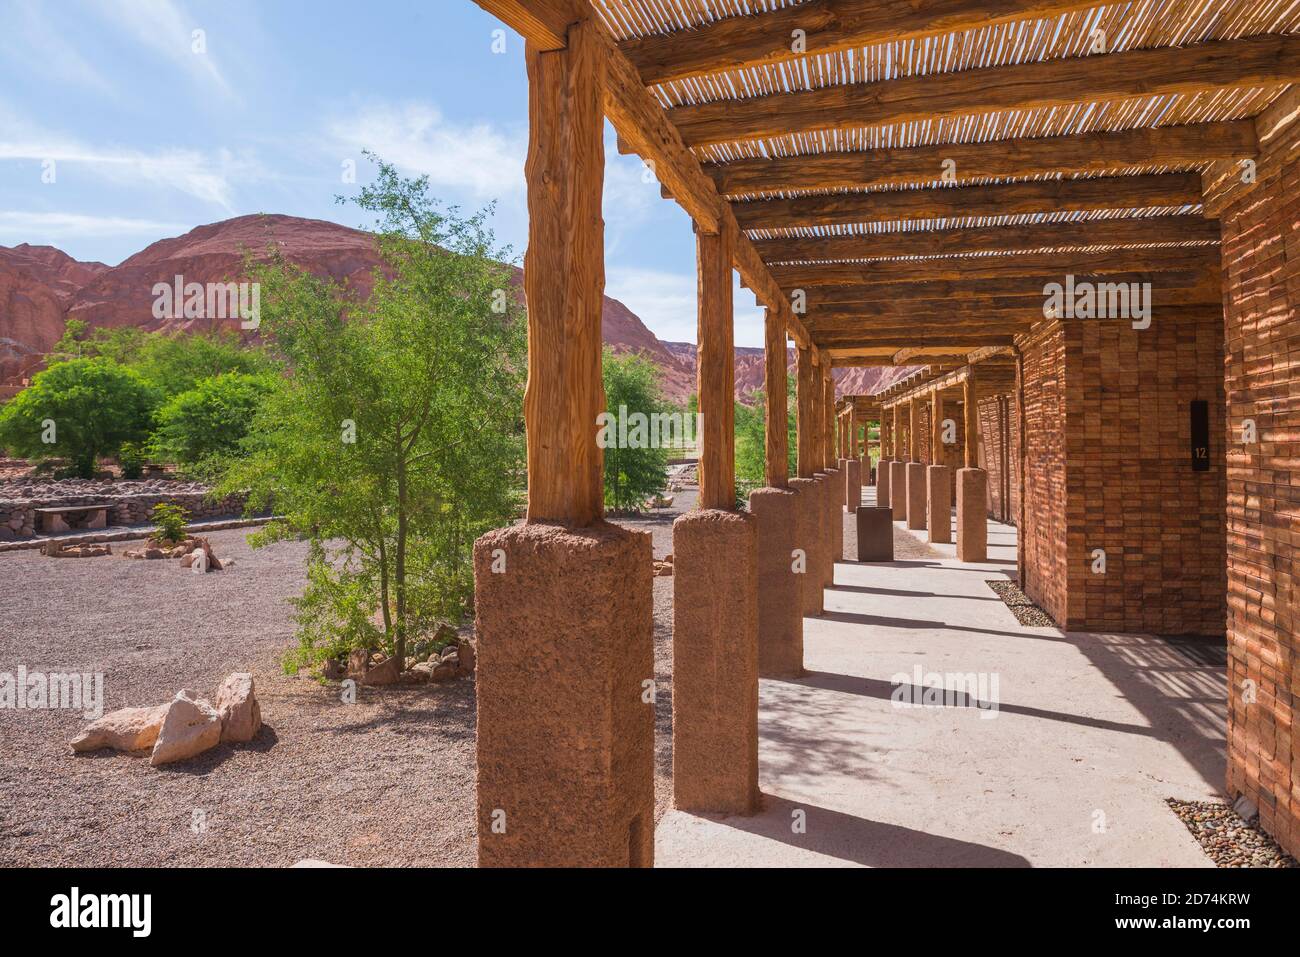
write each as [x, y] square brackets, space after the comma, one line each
[191, 727]
[127, 729]
[241, 716]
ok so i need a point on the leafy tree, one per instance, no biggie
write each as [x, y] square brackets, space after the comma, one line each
[394, 439]
[632, 388]
[201, 428]
[176, 363]
[121, 344]
[80, 409]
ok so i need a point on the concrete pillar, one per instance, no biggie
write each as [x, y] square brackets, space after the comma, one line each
[938, 483]
[780, 596]
[915, 506]
[882, 482]
[715, 662]
[807, 530]
[972, 515]
[565, 750]
[898, 489]
[875, 533]
[853, 485]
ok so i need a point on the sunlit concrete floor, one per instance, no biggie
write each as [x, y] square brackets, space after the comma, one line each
[1090, 734]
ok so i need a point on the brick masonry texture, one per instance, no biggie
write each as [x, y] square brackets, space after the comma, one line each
[1261, 263]
[999, 428]
[1043, 538]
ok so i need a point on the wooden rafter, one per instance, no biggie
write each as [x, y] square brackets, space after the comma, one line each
[1205, 67]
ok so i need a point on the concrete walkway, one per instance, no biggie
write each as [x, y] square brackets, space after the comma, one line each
[1060, 753]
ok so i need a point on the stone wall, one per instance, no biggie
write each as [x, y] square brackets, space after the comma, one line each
[1261, 263]
[131, 503]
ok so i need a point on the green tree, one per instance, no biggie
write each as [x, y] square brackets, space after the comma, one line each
[636, 464]
[80, 410]
[177, 362]
[394, 439]
[201, 429]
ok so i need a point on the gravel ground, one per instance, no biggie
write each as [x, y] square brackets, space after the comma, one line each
[1026, 612]
[1228, 839]
[386, 781]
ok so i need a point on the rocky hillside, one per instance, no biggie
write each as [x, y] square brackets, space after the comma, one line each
[42, 287]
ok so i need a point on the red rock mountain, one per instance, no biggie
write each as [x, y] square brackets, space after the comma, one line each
[41, 288]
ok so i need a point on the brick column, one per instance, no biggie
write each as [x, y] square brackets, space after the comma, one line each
[972, 515]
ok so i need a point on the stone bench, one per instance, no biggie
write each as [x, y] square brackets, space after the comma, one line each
[72, 518]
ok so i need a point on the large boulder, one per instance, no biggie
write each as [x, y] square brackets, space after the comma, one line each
[191, 727]
[241, 716]
[384, 673]
[128, 729]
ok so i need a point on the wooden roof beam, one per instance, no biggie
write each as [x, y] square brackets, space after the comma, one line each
[1002, 159]
[963, 291]
[1203, 67]
[947, 242]
[955, 202]
[765, 38]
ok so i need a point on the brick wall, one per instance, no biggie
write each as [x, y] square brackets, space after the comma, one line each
[1131, 488]
[1261, 262]
[1043, 537]
[997, 412]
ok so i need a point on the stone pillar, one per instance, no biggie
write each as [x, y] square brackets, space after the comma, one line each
[780, 598]
[972, 515]
[938, 480]
[915, 508]
[776, 510]
[882, 481]
[715, 662]
[853, 485]
[565, 751]
[898, 490]
[807, 534]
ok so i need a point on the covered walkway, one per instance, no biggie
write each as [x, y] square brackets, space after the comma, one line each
[1091, 734]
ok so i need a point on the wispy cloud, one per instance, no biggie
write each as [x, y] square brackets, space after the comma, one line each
[38, 226]
[480, 160]
[163, 27]
[31, 42]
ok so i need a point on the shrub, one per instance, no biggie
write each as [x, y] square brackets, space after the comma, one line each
[170, 520]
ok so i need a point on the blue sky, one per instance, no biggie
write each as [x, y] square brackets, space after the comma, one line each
[149, 138]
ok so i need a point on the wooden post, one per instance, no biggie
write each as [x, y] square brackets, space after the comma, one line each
[776, 415]
[828, 417]
[716, 375]
[564, 281]
[899, 436]
[806, 414]
[936, 428]
[972, 420]
[914, 431]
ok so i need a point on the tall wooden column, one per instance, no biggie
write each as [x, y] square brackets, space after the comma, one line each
[716, 372]
[828, 417]
[564, 282]
[807, 392]
[914, 438]
[776, 423]
[970, 409]
[936, 428]
[565, 754]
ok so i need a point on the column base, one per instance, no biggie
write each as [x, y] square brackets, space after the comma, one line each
[715, 662]
[938, 486]
[898, 490]
[972, 515]
[915, 511]
[565, 631]
[780, 596]
[807, 534]
[852, 486]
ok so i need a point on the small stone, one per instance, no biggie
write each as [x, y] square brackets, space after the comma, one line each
[443, 671]
[384, 673]
[468, 657]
